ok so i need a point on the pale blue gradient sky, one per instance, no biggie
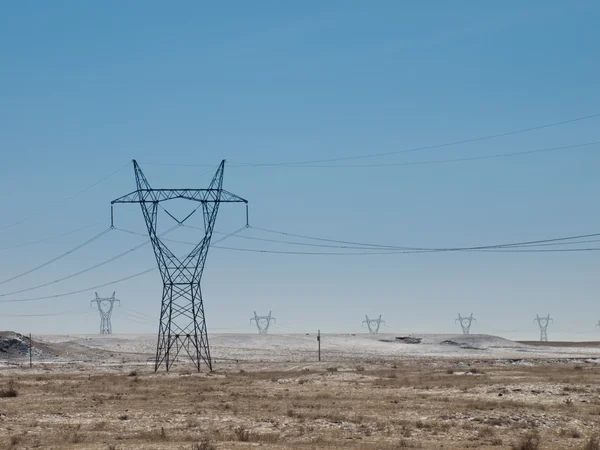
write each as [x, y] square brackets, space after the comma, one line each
[85, 87]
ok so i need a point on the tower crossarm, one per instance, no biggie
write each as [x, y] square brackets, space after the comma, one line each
[197, 195]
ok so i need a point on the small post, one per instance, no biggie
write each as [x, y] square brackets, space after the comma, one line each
[319, 343]
[30, 354]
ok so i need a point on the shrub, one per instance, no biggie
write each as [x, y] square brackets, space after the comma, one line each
[531, 441]
[593, 443]
[10, 391]
[242, 434]
[204, 444]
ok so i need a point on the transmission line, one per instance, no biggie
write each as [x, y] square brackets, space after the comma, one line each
[135, 319]
[110, 283]
[81, 272]
[67, 253]
[428, 147]
[77, 194]
[140, 314]
[49, 238]
[285, 252]
[393, 252]
[430, 249]
[88, 269]
[47, 314]
[79, 291]
[314, 165]
[365, 247]
[450, 160]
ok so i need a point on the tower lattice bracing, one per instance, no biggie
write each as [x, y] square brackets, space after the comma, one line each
[182, 323]
[465, 323]
[373, 324]
[105, 308]
[543, 324]
[263, 322]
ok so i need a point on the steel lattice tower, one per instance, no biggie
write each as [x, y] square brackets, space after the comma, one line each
[543, 323]
[263, 322]
[105, 308]
[182, 323]
[373, 324]
[465, 323]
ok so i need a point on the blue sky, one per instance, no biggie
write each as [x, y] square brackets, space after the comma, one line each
[85, 87]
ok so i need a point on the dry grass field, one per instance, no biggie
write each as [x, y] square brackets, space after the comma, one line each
[384, 405]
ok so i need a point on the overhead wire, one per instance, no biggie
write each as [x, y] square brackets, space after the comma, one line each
[450, 160]
[65, 200]
[437, 249]
[402, 252]
[79, 291]
[134, 319]
[138, 313]
[50, 238]
[57, 258]
[379, 247]
[66, 313]
[428, 147]
[138, 317]
[88, 269]
[109, 283]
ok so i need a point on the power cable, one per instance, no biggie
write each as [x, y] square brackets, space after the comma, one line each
[437, 249]
[133, 319]
[67, 253]
[445, 161]
[431, 147]
[141, 314]
[50, 238]
[305, 244]
[110, 283]
[283, 252]
[139, 318]
[394, 252]
[77, 194]
[410, 150]
[47, 314]
[88, 269]
[79, 291]
[177, 241]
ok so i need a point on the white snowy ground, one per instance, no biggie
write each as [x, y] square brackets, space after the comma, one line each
[301, 347]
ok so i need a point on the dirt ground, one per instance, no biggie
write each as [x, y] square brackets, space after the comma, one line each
[383, 404]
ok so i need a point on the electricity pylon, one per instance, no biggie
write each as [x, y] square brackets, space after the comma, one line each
[598, 324]
[373, 324]
[465, 322]
[182, 324]
[543, 323]
[263, 322]
[105, 308]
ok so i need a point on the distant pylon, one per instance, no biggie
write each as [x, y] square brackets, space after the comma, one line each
[373, 324]
[263, 322]
[465, 322]
[105, 308]
[543, 323]
[598, 324]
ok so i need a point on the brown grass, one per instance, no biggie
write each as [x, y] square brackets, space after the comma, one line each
[415, 405]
